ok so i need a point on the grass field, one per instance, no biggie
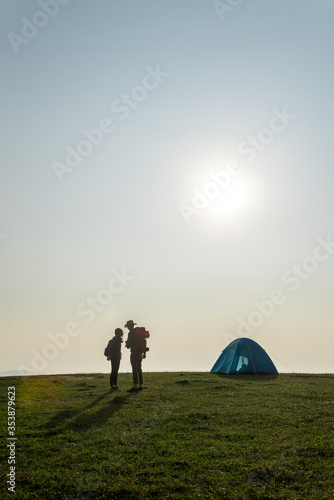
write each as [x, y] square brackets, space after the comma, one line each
[185, 436]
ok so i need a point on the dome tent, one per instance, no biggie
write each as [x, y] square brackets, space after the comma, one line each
[244, 356]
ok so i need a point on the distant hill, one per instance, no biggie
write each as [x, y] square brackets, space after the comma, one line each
[18, 373]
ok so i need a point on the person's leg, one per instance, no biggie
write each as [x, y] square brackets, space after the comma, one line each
[133, 361]
[139, 371]
[114, 371]
[116, 368]
[111, 374]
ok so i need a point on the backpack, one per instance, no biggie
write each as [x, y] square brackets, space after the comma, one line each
[108, 349]
[137, 340]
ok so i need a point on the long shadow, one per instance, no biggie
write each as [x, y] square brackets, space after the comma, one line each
[80, 419]
[85, 421]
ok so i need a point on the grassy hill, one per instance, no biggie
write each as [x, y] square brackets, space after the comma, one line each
[185, 436]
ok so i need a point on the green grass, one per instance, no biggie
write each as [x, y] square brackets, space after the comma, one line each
[185, 436]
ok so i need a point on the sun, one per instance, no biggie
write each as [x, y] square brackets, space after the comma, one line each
[232, 200]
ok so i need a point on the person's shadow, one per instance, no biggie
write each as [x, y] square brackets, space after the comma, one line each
[81, 419]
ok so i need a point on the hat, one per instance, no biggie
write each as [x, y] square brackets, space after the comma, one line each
[129, 323]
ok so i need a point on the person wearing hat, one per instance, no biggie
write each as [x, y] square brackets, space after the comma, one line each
[135, 358]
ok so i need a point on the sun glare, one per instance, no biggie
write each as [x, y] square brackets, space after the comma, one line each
[232, 200]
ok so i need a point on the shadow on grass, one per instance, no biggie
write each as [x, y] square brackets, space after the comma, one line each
[81, 419]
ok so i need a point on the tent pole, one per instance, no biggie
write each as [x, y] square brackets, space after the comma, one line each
[251, 358]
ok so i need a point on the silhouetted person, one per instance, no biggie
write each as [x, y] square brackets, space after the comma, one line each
[136, 357]
[113, 353]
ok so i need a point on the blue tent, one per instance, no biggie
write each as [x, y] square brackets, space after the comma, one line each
[244, 356]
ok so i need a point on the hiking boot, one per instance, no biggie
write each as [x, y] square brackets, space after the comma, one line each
[139, 388]
[133, 389]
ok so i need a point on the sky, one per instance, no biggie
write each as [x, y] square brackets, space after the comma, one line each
[169, 163]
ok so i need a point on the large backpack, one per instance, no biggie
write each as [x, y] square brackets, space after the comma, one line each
[138, 340]
[108, 349]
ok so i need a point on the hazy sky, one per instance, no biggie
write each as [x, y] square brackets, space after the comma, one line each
[169, 162]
